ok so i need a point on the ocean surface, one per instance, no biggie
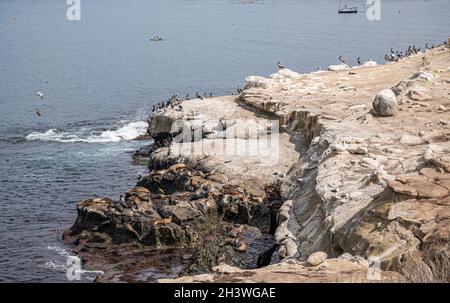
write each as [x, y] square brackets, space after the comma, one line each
[101, 75]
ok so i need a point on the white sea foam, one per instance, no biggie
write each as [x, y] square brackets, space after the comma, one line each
[129, 131]
[62, 266]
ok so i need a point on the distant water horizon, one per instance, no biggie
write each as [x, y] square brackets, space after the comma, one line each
[101, 75]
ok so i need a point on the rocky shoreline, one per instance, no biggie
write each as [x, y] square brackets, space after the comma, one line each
[320, 185]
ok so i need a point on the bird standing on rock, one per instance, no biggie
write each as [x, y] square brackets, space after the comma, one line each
[359, 60]
[341, 60]
[279, 65]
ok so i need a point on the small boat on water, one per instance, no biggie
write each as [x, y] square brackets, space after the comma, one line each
[156, 38]
[347, 10]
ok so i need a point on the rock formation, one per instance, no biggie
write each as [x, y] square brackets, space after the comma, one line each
[325, 188]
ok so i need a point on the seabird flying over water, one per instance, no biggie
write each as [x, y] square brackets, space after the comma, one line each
[38, 112]
[40, 94]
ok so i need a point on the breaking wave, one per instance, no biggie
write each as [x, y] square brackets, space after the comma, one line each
[129, 131]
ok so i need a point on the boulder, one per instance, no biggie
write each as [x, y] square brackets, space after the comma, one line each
[369, 62]
[411, 140]
[317, 258]
[257, 81]
[338, 67]
[385, 103]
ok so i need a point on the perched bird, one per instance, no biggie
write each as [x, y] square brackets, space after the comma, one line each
[187, 96]
[341, 60]
[198, 96]
[279, 65]
[359, 60]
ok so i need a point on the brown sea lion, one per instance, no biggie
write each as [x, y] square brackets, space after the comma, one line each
[162, 221]
[176, 167]
[236, 231]
[239, 245]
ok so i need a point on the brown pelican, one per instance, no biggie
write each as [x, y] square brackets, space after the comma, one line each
[198, 96]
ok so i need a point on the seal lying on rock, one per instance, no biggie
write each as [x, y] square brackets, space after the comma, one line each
[236, 232]
[239, 245]
[163, 221]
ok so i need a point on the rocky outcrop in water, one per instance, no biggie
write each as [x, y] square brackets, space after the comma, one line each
[361, 194]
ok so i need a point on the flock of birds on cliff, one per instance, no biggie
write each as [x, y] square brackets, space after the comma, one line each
[397, 55]
[176, 101]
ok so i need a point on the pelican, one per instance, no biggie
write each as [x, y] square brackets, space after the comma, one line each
[341, 59]
[279, 65]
